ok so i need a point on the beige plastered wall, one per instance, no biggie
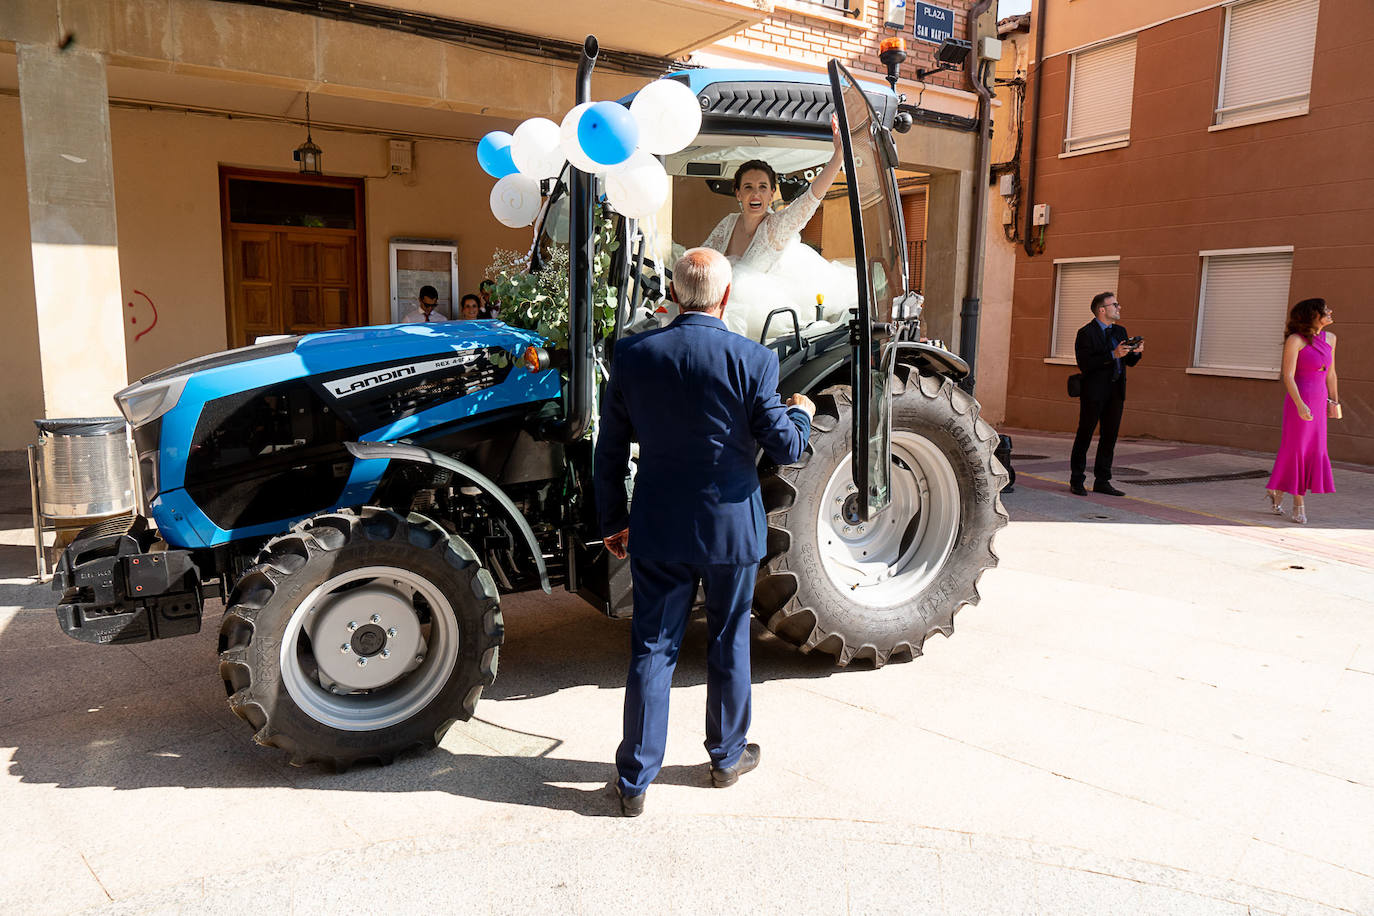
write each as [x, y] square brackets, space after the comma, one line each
[166, 168]
[167, 195]
[22, 384]
[1071, 24]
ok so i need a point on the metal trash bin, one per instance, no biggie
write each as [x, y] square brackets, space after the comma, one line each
[80, 471]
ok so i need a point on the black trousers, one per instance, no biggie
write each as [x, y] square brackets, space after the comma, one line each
[1092, 412]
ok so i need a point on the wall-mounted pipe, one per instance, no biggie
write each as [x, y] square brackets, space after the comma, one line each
[973, 297]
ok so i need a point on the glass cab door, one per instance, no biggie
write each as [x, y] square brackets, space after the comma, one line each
[880, 268]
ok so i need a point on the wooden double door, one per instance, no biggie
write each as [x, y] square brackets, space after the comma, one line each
[294, 259]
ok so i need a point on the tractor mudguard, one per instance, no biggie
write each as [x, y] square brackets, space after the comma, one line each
[417, 455]
[932, 359]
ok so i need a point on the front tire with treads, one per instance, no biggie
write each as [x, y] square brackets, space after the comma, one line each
[877, 589]
[358, 635]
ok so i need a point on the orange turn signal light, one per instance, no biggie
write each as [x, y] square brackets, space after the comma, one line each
[536, 358]
[895, 43]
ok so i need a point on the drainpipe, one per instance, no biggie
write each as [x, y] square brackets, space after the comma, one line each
[581, 240]
[1033, 122]
[968, 314]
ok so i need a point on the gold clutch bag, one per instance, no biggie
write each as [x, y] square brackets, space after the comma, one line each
[1333, 411]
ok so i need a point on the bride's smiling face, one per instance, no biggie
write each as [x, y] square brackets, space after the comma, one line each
[755, 192]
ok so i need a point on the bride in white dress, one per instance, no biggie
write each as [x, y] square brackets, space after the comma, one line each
[772, 267]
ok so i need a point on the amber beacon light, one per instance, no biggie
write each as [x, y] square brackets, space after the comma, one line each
[892, 51]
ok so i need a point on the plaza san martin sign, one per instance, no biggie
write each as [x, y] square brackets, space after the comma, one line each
[933, 23]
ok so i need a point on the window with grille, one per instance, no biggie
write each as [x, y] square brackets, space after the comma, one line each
[1242, 309]
[1076, 281]
[1266, 64]
[841, 6]
[1101, 81]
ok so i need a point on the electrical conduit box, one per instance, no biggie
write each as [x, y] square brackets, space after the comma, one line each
[402, 156]
[1040, 216]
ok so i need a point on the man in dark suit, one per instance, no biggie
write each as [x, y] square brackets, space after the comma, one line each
[1102, 355]
[702, 401]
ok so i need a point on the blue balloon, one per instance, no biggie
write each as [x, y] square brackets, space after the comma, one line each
[493, 154]
[608, 133]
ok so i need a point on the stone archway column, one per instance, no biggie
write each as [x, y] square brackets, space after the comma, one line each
[70, 171]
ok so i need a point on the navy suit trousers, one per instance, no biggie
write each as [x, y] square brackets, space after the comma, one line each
[664, 593]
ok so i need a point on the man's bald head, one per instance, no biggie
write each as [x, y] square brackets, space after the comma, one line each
[701, 280]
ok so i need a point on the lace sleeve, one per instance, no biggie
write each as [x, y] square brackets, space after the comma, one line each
[787, 222]
[720, 236]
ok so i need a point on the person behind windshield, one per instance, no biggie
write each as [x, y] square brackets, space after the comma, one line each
[773, 268]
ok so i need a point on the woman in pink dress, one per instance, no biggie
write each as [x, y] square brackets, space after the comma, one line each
[1309, 375]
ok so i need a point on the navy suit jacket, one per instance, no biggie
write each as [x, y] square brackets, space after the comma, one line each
[701, 400]
[1092, 350]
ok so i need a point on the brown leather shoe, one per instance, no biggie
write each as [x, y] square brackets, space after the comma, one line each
[721, 777]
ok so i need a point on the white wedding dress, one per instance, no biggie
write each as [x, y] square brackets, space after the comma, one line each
[778, 271]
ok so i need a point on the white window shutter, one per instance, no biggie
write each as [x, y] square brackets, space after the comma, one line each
[1075, 285]
[1243, 311]
[1100, 100]
[1268, 53]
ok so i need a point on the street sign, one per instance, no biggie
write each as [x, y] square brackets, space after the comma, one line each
[933, 23]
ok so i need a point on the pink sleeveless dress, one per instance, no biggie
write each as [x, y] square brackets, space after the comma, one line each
[1302, 464]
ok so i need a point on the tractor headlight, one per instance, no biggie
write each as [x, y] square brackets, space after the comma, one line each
[142, 402]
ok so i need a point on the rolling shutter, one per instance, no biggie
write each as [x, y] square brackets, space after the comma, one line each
[1243, 309]
[1076, 282]
[1268, 69]
[1100, 101]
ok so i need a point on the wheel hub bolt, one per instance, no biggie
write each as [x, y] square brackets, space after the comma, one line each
[376, 618]
[419, 658]
[345, 648]
[386, 653]
[391, 632]
[362, 662]
[352, 625]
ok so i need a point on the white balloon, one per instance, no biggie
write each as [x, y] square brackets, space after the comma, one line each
[669, 116]
[571, 147]
[534, 147]
[515, 200]
[639, 187]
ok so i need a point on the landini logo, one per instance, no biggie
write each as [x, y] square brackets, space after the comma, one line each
[342, 388]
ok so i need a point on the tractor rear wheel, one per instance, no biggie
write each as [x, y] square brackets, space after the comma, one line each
[358, 635]
[877, 589]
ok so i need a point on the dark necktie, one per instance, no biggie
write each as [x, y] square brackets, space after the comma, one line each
[1116, 360]
[427, 322]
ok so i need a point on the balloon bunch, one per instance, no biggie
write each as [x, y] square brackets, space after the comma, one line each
[603, 138]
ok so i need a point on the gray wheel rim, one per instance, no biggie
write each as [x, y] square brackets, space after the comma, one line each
[884, 562]
[401, 698]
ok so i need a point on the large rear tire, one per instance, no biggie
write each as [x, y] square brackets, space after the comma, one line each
[359, 635]
[878, 589]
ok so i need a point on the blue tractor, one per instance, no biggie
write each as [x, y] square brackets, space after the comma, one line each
[360, 499]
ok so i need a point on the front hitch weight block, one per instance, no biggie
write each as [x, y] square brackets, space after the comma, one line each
[114, 590]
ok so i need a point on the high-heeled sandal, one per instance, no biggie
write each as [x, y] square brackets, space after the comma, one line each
[1300, 515]
[1275, 501]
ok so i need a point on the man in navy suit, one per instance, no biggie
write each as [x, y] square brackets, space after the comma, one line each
[701, 400]
[1102, 356]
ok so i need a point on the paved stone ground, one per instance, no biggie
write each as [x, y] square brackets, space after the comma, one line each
[1164, 704]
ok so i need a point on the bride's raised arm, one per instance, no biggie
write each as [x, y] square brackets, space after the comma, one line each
[789, 221]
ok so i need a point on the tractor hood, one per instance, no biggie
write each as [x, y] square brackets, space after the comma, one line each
[211, 429]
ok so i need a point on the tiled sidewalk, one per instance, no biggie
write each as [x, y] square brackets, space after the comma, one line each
[1340, 525]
